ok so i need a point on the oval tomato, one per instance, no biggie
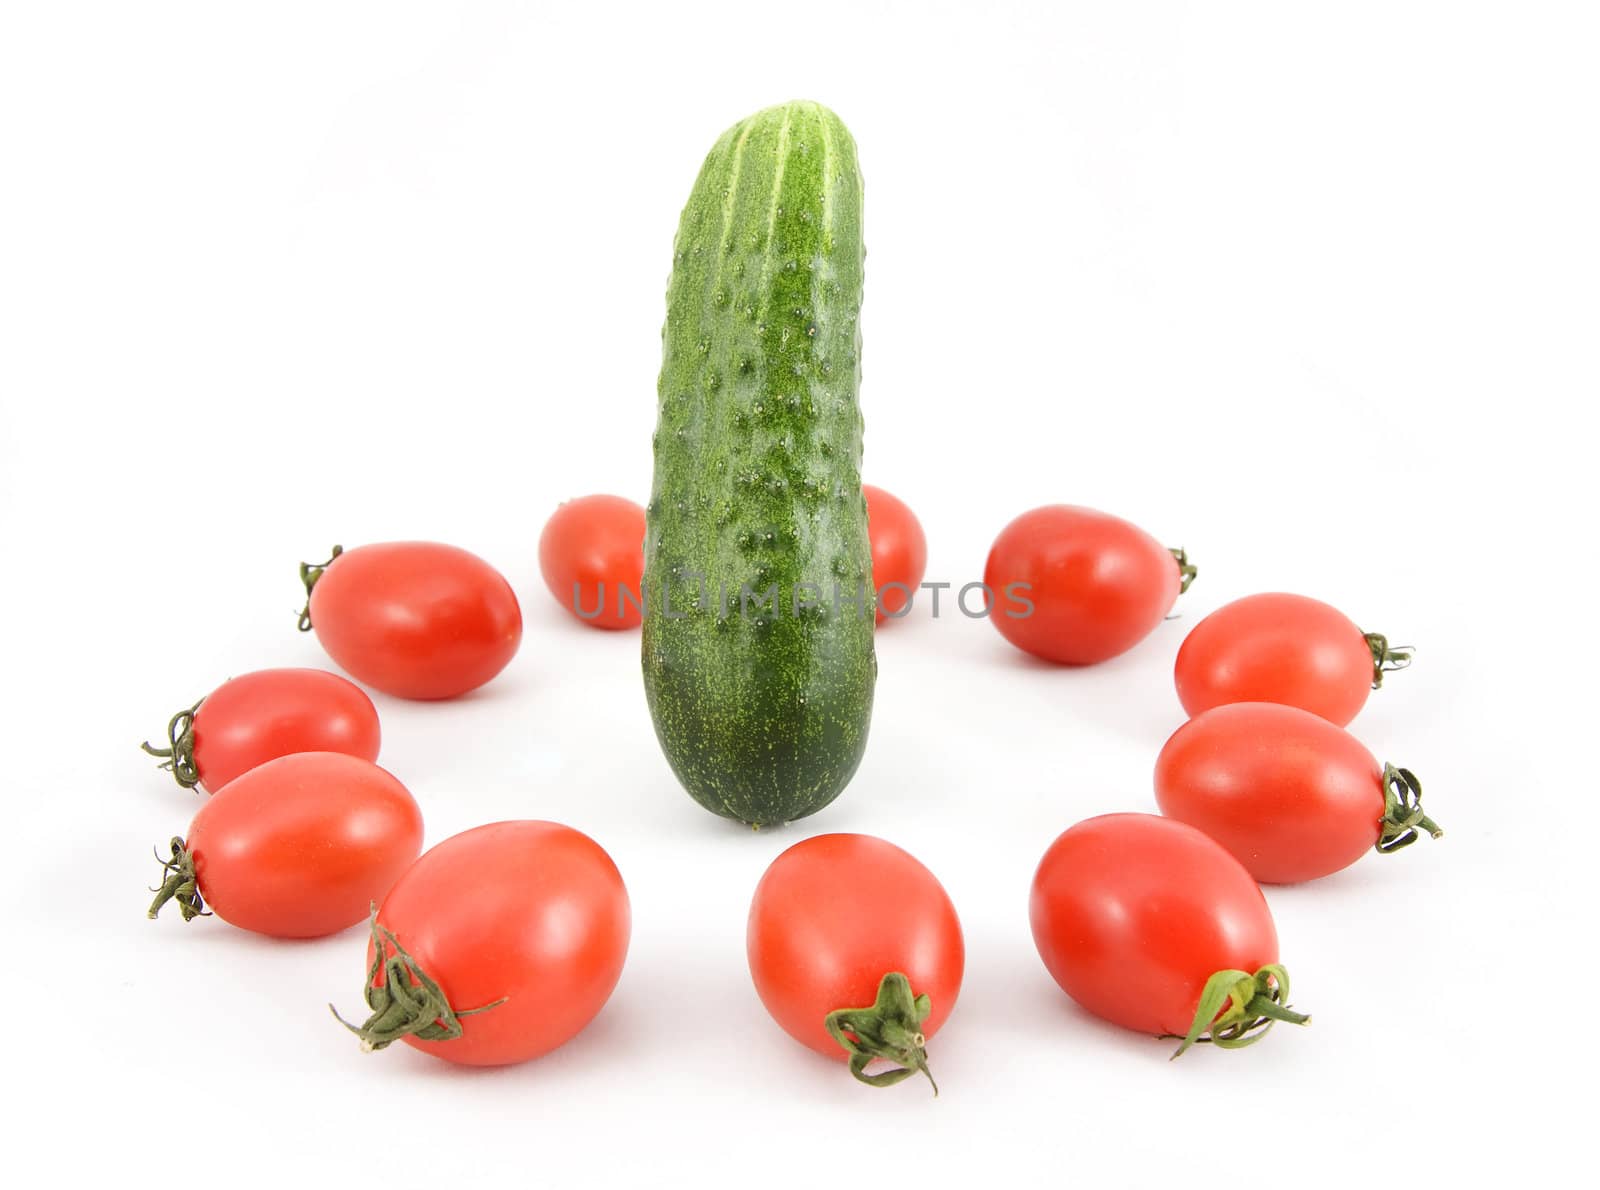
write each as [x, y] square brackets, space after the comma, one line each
[591, 554]
[415, 619]
[1284, 648]
[260, 716]
[1076, 586]
[497, 945]
[856, 951]
[298, 847]
[1148, 923]
[1289, 794]
[899, 551]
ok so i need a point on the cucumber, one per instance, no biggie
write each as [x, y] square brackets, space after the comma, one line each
[762, 705]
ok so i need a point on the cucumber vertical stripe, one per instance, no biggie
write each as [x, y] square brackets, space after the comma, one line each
[762, 709]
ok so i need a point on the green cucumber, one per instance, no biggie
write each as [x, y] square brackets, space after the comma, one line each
[762, 706]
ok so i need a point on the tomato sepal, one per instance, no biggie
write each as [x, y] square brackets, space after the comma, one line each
[1237, 1008]
[1403, 819]
[408, 1001]
[890, 1029]
[1386, 658]
[178, 756]
[179, 883]
[310, 572]
[1187, 570]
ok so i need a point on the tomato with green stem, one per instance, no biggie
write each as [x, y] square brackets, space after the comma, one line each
[497, 946]
[415, 619]
[899, 552]
[298, 847]
[1291, 649]
[1151, 925]
[591, 555]
[260, 716]
[1076, 586]
[856, 951]
[1289, 794]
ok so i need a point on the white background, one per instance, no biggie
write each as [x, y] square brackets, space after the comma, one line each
[1307, 289]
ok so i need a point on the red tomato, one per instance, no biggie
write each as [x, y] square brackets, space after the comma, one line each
[899, 551]
[501, 943]
[1289, 794]
[298, 847]
[413, 618]
[591, 551]
[260, 716]
[1283, 648]
[831, 919]
[1076, 586]
[1149, 924]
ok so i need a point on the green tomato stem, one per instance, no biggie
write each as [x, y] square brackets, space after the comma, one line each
[178, 756]
[891, 1029]
[1403, 819]
[310, 572]
[1386, 658]
[178, 884]
[407, 1001]
[1237, 1008]
[1187, 570]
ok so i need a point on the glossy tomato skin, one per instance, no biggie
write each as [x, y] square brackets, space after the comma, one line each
[534, 912]
[1098, 584]
[597, 544]
[416, 619]
[899, 551]
[1132, 913]
[260, 716]
[1290, 795]
[1276, 647]
[302, 846]
[832, 916]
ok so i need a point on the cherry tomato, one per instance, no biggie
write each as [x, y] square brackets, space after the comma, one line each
[497, 945]
[899, 551]
[1289, 794]
[298, 847]
[1076, 586]
[856, 951]
[590, 553]
[260, 716]
[1148, 923]
[1283, 648]
[413, 618]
